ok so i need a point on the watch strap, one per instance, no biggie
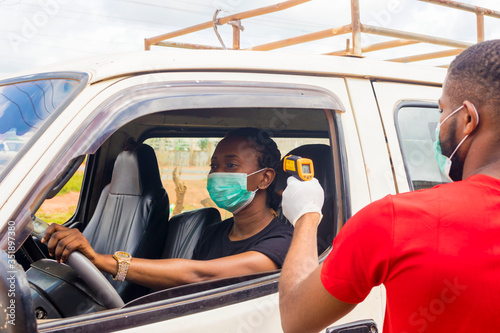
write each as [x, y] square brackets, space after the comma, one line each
[123, 265]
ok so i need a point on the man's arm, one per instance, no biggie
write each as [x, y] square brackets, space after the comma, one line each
[161, 273]
[305, 305]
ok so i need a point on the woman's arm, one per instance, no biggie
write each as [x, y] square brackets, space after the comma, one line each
[161, 273]
[164, 273]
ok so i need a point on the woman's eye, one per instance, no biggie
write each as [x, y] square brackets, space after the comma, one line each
[230, 165]
[213, 166]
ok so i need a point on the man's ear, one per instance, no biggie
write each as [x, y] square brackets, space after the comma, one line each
[471, 117]
[268, 178]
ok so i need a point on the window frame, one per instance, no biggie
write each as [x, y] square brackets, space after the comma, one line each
[408, 104]
[82, 79]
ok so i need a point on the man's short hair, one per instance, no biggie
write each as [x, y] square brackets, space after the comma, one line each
[474, 75]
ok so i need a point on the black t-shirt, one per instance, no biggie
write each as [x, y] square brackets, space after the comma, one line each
[273, 241]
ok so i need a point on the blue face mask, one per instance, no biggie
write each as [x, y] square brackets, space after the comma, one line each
[443, 161]
[229, 190]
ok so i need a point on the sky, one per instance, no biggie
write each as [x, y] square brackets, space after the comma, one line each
[40, 32]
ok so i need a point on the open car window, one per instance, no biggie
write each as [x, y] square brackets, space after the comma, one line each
[184, 163]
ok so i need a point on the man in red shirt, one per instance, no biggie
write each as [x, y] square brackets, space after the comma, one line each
[437, 251]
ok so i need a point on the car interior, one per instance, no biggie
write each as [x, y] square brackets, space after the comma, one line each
[128, 191]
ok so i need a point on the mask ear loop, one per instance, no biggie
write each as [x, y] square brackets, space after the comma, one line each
[477, 123]
[253, 173]
[477, 114]
[451, 114]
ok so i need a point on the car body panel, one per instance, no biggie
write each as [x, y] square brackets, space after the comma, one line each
[388, 97]
[110, 66]
[372, 138]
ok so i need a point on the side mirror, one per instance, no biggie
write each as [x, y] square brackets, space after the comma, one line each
[16, 310]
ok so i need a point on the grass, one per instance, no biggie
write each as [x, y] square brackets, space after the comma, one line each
[58, 217]
[63, 213]
[74, 184]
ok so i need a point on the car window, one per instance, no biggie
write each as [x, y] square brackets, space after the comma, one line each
[25, 107]
[62, 206]
[184, 166]
[416, 125]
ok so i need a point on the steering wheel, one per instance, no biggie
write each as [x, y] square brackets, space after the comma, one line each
[104, 291]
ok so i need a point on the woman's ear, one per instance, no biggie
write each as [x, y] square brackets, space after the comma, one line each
[268, 178]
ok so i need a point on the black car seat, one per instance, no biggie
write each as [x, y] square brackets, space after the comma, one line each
[321, 156]
[132, 212]
[185, 229]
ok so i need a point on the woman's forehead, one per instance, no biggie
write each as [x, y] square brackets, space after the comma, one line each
[236, 146]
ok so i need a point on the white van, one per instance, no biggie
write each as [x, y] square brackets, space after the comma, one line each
[367, 125]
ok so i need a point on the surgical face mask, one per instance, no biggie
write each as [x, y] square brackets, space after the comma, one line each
[229, 190]
[443, 161]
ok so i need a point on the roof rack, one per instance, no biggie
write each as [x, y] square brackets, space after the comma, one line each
[354, 48]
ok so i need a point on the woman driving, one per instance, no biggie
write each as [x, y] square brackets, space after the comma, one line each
[241, 180]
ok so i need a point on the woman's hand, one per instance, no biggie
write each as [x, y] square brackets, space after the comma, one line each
[61, 241]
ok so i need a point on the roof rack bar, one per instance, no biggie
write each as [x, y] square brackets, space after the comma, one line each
[303, 38]
[427, 56]
[480, 27]
[479, 11]
[356, 28]
[389, 45]
[466, 7]
[353, 43]
[189, 46]
[223, 20]
[414, 36]
[379, 46]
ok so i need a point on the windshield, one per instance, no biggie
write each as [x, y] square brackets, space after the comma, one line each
[24, 107]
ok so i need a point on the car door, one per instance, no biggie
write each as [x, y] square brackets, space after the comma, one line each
[244, 305]
[410, 115]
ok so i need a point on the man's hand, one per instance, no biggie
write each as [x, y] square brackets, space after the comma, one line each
[61, 241]
[301, 197]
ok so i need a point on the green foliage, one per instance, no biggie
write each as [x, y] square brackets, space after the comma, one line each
[74, 184]
[203, 144]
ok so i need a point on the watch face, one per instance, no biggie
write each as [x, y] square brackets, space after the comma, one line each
[122, 255]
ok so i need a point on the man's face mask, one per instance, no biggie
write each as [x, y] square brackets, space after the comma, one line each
[229, 190]
[443, 161]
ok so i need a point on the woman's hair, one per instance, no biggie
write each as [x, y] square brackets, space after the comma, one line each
[269, 156]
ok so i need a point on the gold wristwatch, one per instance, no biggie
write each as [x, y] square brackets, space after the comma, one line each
[123, 259]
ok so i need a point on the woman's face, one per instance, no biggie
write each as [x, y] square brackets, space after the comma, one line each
[237, 155]
[234, 155]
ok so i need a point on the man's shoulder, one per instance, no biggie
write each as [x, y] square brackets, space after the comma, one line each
[447, 190]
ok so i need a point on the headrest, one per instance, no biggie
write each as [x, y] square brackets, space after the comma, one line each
[321, 156]
[135, 172]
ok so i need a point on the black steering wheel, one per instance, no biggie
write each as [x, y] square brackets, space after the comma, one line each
[96, 281]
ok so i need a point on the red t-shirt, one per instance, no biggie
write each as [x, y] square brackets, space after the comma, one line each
[437, 252]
